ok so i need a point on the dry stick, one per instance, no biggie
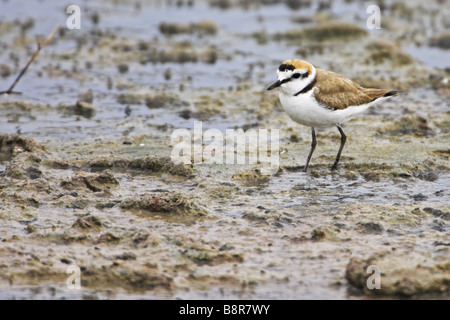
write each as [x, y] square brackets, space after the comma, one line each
[40, 46]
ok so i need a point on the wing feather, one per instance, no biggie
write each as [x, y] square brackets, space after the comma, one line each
[336, 92]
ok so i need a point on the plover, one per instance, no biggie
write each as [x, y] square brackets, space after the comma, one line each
[319, 98]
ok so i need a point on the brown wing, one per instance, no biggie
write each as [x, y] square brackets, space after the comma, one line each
[336, 92]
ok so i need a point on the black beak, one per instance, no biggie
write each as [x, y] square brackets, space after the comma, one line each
[275, 85]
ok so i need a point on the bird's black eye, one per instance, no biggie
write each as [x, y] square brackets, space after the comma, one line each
[296, 75]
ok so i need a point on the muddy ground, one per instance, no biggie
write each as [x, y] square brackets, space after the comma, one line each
[86, 177]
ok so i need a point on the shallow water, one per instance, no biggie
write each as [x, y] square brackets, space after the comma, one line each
[386, 178]
[124, 20]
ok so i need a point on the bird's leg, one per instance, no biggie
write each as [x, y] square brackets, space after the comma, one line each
[343, 139]
[313, 146]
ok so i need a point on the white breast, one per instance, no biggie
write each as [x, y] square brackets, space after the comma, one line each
[304, 109]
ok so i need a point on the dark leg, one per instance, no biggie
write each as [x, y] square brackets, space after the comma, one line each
[313, 146]
[343, 139]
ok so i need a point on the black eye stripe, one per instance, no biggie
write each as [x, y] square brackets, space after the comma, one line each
[298, 75]
[286, 80]
[294, 76]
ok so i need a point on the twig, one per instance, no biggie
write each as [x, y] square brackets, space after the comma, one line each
[39, 47]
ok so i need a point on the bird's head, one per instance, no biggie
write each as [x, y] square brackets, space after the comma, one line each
[294, 75]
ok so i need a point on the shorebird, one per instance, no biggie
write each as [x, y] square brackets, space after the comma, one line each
[319, 98]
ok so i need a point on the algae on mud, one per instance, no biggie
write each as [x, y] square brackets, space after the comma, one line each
[166, 203]
[402, 274]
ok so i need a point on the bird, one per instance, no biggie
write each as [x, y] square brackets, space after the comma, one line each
[320, 98]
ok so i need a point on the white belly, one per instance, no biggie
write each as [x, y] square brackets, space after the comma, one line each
[306, 110]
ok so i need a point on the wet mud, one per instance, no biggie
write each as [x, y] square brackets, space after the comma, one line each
[86, 176]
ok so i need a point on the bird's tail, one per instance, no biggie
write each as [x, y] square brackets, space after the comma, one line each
[391, 93]
[380, 93]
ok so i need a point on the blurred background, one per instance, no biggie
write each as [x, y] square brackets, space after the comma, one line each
[127, 51]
